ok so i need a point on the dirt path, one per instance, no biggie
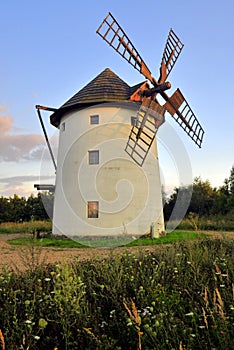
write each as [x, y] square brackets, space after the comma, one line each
[20, 257]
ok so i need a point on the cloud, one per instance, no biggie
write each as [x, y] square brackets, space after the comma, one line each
[15, 147]
[22, 184]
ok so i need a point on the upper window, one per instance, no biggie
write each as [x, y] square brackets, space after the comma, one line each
[94, 119]
[93, 157]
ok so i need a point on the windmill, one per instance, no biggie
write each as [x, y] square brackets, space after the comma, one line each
[143, 132]
[105, 185]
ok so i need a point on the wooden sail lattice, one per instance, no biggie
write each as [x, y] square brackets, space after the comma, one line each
[141, 136]
[149, 118]
[180, 110]
[171, 53]
[115, 36]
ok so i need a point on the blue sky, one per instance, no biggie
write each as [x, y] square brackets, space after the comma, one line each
[50, 50]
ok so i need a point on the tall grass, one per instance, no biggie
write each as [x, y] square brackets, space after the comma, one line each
[180, 298]
[25, 227]
[211, 222]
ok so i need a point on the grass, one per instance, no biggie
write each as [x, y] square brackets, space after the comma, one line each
[46, 242]
[25, 227]
[178, 298]
[208, 223]
[172, 237]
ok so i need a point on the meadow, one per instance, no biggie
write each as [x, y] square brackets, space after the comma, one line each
[181, 298]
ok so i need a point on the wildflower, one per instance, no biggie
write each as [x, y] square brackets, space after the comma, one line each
[103, 324]
[28, 322]
[111, 313]
[47, 279]
[36, 337]
[189, 314]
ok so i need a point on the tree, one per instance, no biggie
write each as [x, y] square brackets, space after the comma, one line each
[231, 181]
[202, 197]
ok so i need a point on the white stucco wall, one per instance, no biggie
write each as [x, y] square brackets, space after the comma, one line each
[129, 196]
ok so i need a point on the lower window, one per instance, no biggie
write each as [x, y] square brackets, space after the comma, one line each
[93, 209]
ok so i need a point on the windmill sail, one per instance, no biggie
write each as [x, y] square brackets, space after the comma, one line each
[171, 53]
[115, 36]
[140, 139]
[149, 118]
[180, 110]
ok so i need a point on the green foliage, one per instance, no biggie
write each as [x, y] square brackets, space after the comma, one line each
[21, 209]
[175, 298]
[205, 200]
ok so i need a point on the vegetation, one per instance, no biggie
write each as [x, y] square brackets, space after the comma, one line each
[171, 237]
[212, 207]
[25, 227]
[178, 298]
[21, 209]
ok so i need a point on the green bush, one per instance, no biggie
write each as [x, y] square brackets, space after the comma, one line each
[175, 298]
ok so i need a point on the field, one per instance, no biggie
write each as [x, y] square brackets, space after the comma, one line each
[177, 295]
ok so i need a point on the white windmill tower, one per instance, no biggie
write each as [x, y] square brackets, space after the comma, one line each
[107, 178]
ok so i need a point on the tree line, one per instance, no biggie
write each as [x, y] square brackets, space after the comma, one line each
[21, 209]
[205, 201]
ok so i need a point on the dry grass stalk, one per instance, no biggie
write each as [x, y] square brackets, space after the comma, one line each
[135, 317]
[2, 341]
[219, 298]
[206, 297]
[133, 314]
[181, 346]
[220, 304]
[89, 331]
[205, 318]
[219, 272]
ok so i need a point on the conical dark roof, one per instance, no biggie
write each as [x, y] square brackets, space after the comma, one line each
[106, 87]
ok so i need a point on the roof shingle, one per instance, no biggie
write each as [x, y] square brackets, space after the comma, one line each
[106, 87]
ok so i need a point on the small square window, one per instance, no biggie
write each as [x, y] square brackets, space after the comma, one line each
[94, 119]
[134, 121]
[93, 209]
[93, 157]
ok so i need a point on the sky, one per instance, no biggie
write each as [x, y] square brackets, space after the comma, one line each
[50, 50]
